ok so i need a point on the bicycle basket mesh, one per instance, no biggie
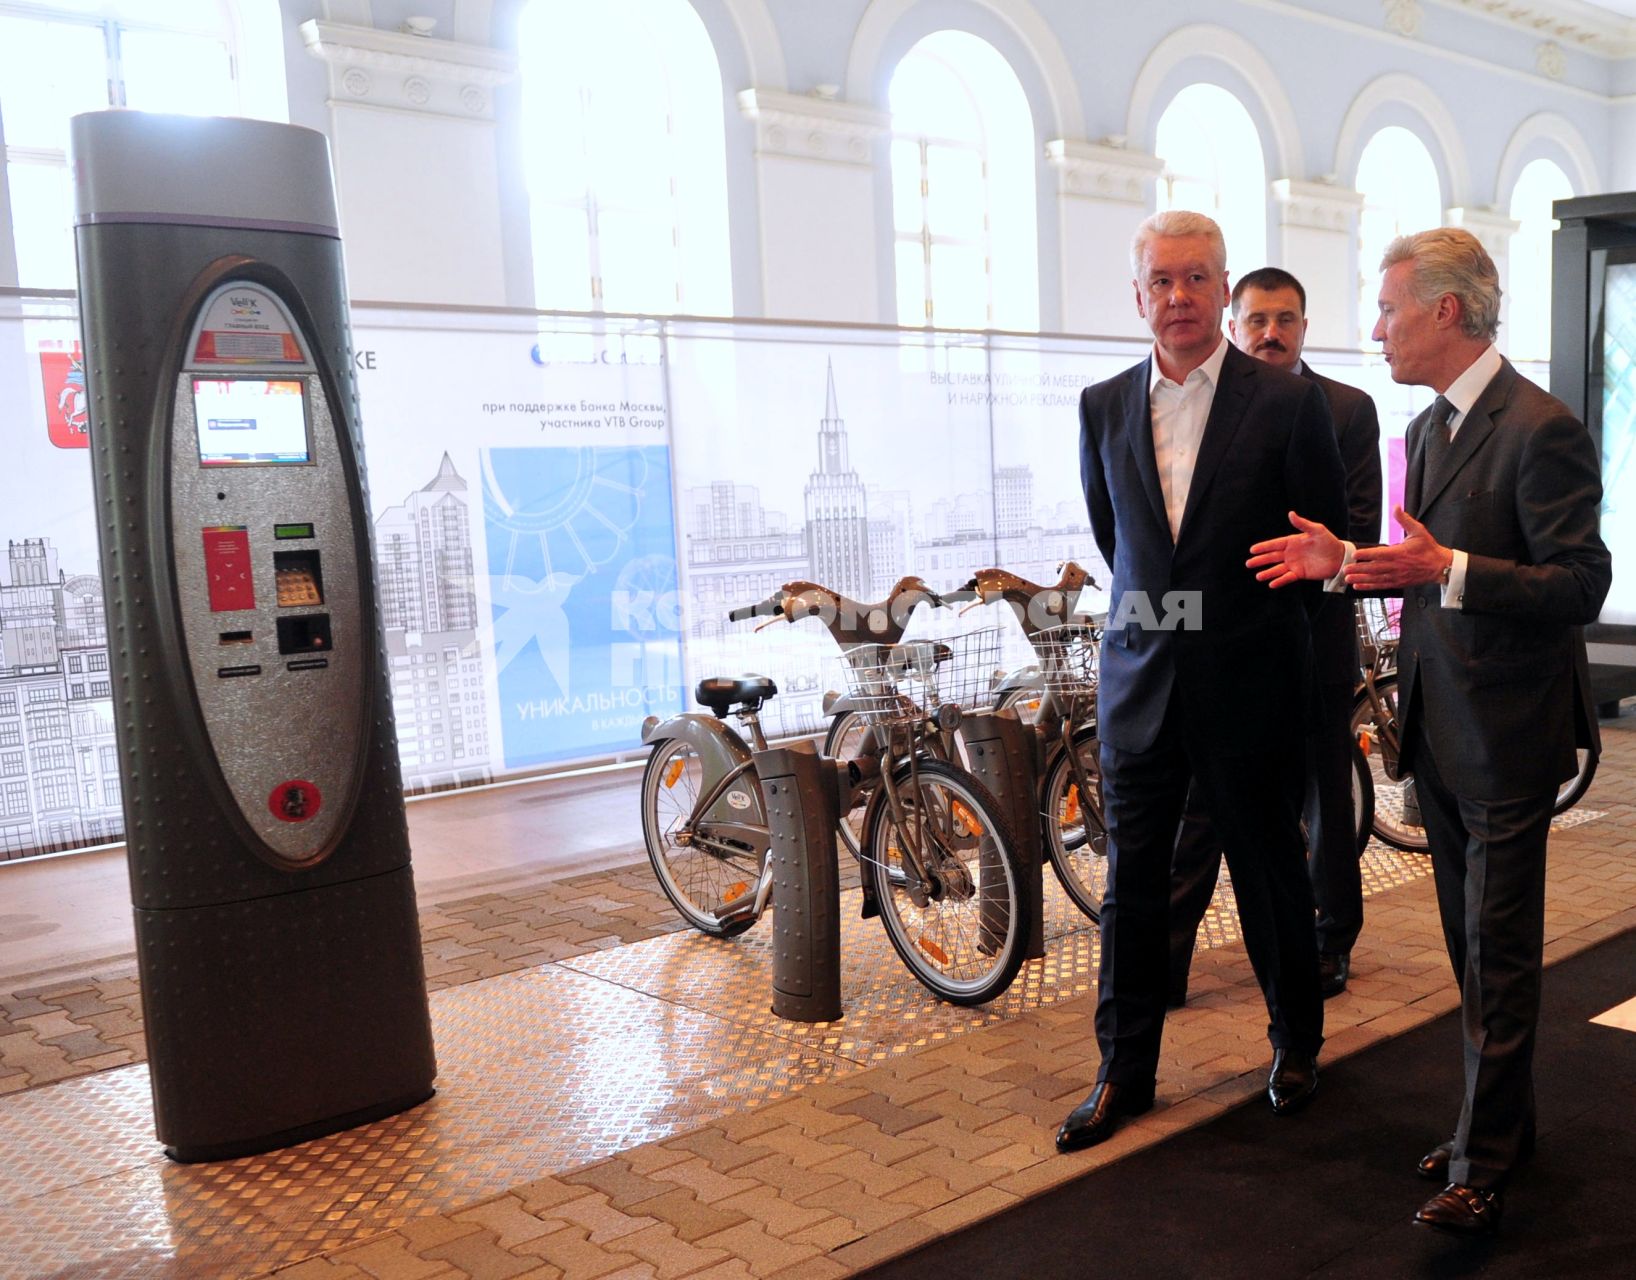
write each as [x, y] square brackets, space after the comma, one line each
[902, 683]
[1068, 659]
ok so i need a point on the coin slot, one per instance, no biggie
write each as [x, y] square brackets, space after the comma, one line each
[235, 637]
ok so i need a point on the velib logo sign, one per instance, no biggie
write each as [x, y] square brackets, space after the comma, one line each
[541, 355]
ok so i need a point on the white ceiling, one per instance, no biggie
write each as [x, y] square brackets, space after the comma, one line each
[1624, 8]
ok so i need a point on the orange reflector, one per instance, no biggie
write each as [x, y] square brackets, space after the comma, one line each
[933, 950]
[967, 819]
[674, 772]
[1070, 805]
[1364, 742]
[735, 891]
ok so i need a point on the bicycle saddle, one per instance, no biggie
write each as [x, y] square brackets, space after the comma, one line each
[722, 693]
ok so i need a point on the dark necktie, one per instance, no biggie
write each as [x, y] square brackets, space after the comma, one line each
[1437, 447]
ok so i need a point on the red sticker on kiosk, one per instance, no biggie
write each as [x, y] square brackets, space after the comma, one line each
[294, 801]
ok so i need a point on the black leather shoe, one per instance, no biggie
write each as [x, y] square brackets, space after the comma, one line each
[1465, 1211]
[1095, 1119]
[1434, 1165]
[1176, 995]
[1334, 968]
[1292, 1081]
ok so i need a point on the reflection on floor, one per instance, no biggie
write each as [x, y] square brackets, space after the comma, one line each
[544, 1069]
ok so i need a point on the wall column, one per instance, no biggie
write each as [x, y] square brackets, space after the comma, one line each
[1103, 194]
[416, 173]
[1493, 231]
[816, 181]
[1318, 230]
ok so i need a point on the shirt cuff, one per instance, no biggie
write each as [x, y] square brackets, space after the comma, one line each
[1454, 590]
[1349, 553]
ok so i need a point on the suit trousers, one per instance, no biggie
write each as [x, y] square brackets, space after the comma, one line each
[1332, 858]
[1254, 797]
[1488, 860]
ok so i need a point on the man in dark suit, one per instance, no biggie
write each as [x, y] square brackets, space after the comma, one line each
[1269, 322]
[1501, 564]
[1178, 455]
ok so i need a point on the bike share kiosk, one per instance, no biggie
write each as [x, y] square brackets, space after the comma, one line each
[277, 938]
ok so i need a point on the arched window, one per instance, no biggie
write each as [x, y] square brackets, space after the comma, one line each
[1214, 165]
[193, 57]
[1401, 193]
[966, 244]
[626, 157]
[1527, 332]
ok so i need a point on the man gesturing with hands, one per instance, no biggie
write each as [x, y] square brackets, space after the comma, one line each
[1501, 564]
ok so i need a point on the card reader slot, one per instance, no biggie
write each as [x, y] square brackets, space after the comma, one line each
[235, 637]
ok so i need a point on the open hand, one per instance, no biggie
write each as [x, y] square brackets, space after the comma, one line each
[1418, 559]
[1312, 552]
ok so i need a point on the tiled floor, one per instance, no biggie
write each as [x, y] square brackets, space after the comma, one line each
[616, 1098]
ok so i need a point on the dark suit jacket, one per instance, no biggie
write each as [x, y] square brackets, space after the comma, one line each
[1267, 449]
[1500, 688]
[1357, 432]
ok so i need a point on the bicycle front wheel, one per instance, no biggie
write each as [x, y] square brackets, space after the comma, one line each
[1397, 812]
[1363, 796]
[848, 735]
[948, 882]
[1573, 790]
[703, 872]
[1076, 838]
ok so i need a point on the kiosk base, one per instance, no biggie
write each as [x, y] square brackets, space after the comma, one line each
[305, 1133]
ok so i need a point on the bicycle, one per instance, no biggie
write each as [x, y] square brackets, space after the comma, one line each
[1058, 697]
[937, 854]
[1375, 729]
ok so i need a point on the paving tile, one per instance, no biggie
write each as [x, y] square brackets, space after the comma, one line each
[763, 1252]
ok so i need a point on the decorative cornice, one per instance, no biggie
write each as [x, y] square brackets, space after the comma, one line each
[1100, 171]
[406, 72]
[1492, 228]
[812, 127]
[1322, 206]
[1566, 22]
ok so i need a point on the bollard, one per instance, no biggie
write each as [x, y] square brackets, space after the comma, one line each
[1003, 752]
[800, 787]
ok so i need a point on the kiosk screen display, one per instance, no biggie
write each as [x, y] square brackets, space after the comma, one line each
[251, 421]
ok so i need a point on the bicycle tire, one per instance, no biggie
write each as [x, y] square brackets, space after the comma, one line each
[1396, 815]
[1573, 790]
[966, 942]
[700, 883]
[844, 741]
[1363, 796]
[1076, 836]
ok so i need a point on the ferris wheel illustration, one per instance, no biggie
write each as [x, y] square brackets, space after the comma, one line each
[554, 516]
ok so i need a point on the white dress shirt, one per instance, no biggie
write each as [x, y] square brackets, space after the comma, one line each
[1179, 411]
[1463, 393]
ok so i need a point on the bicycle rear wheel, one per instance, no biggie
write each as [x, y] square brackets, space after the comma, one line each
[702, 874]
[1076, 838]
[963, 929]
[1397, 812]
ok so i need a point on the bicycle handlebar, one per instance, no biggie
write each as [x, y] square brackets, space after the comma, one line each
[848, 621]
[1037, 606]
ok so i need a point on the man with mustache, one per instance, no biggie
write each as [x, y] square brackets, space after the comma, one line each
[1269, 322]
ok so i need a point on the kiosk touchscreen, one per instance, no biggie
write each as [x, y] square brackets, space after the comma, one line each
[277, 938]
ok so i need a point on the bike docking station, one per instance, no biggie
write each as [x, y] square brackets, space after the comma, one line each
[806, 794]
[278, 944]
[1004, 754]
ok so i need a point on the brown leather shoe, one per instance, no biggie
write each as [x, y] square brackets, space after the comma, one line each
[1434, 1165]
[1462, 1210]
[1095, 1119]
